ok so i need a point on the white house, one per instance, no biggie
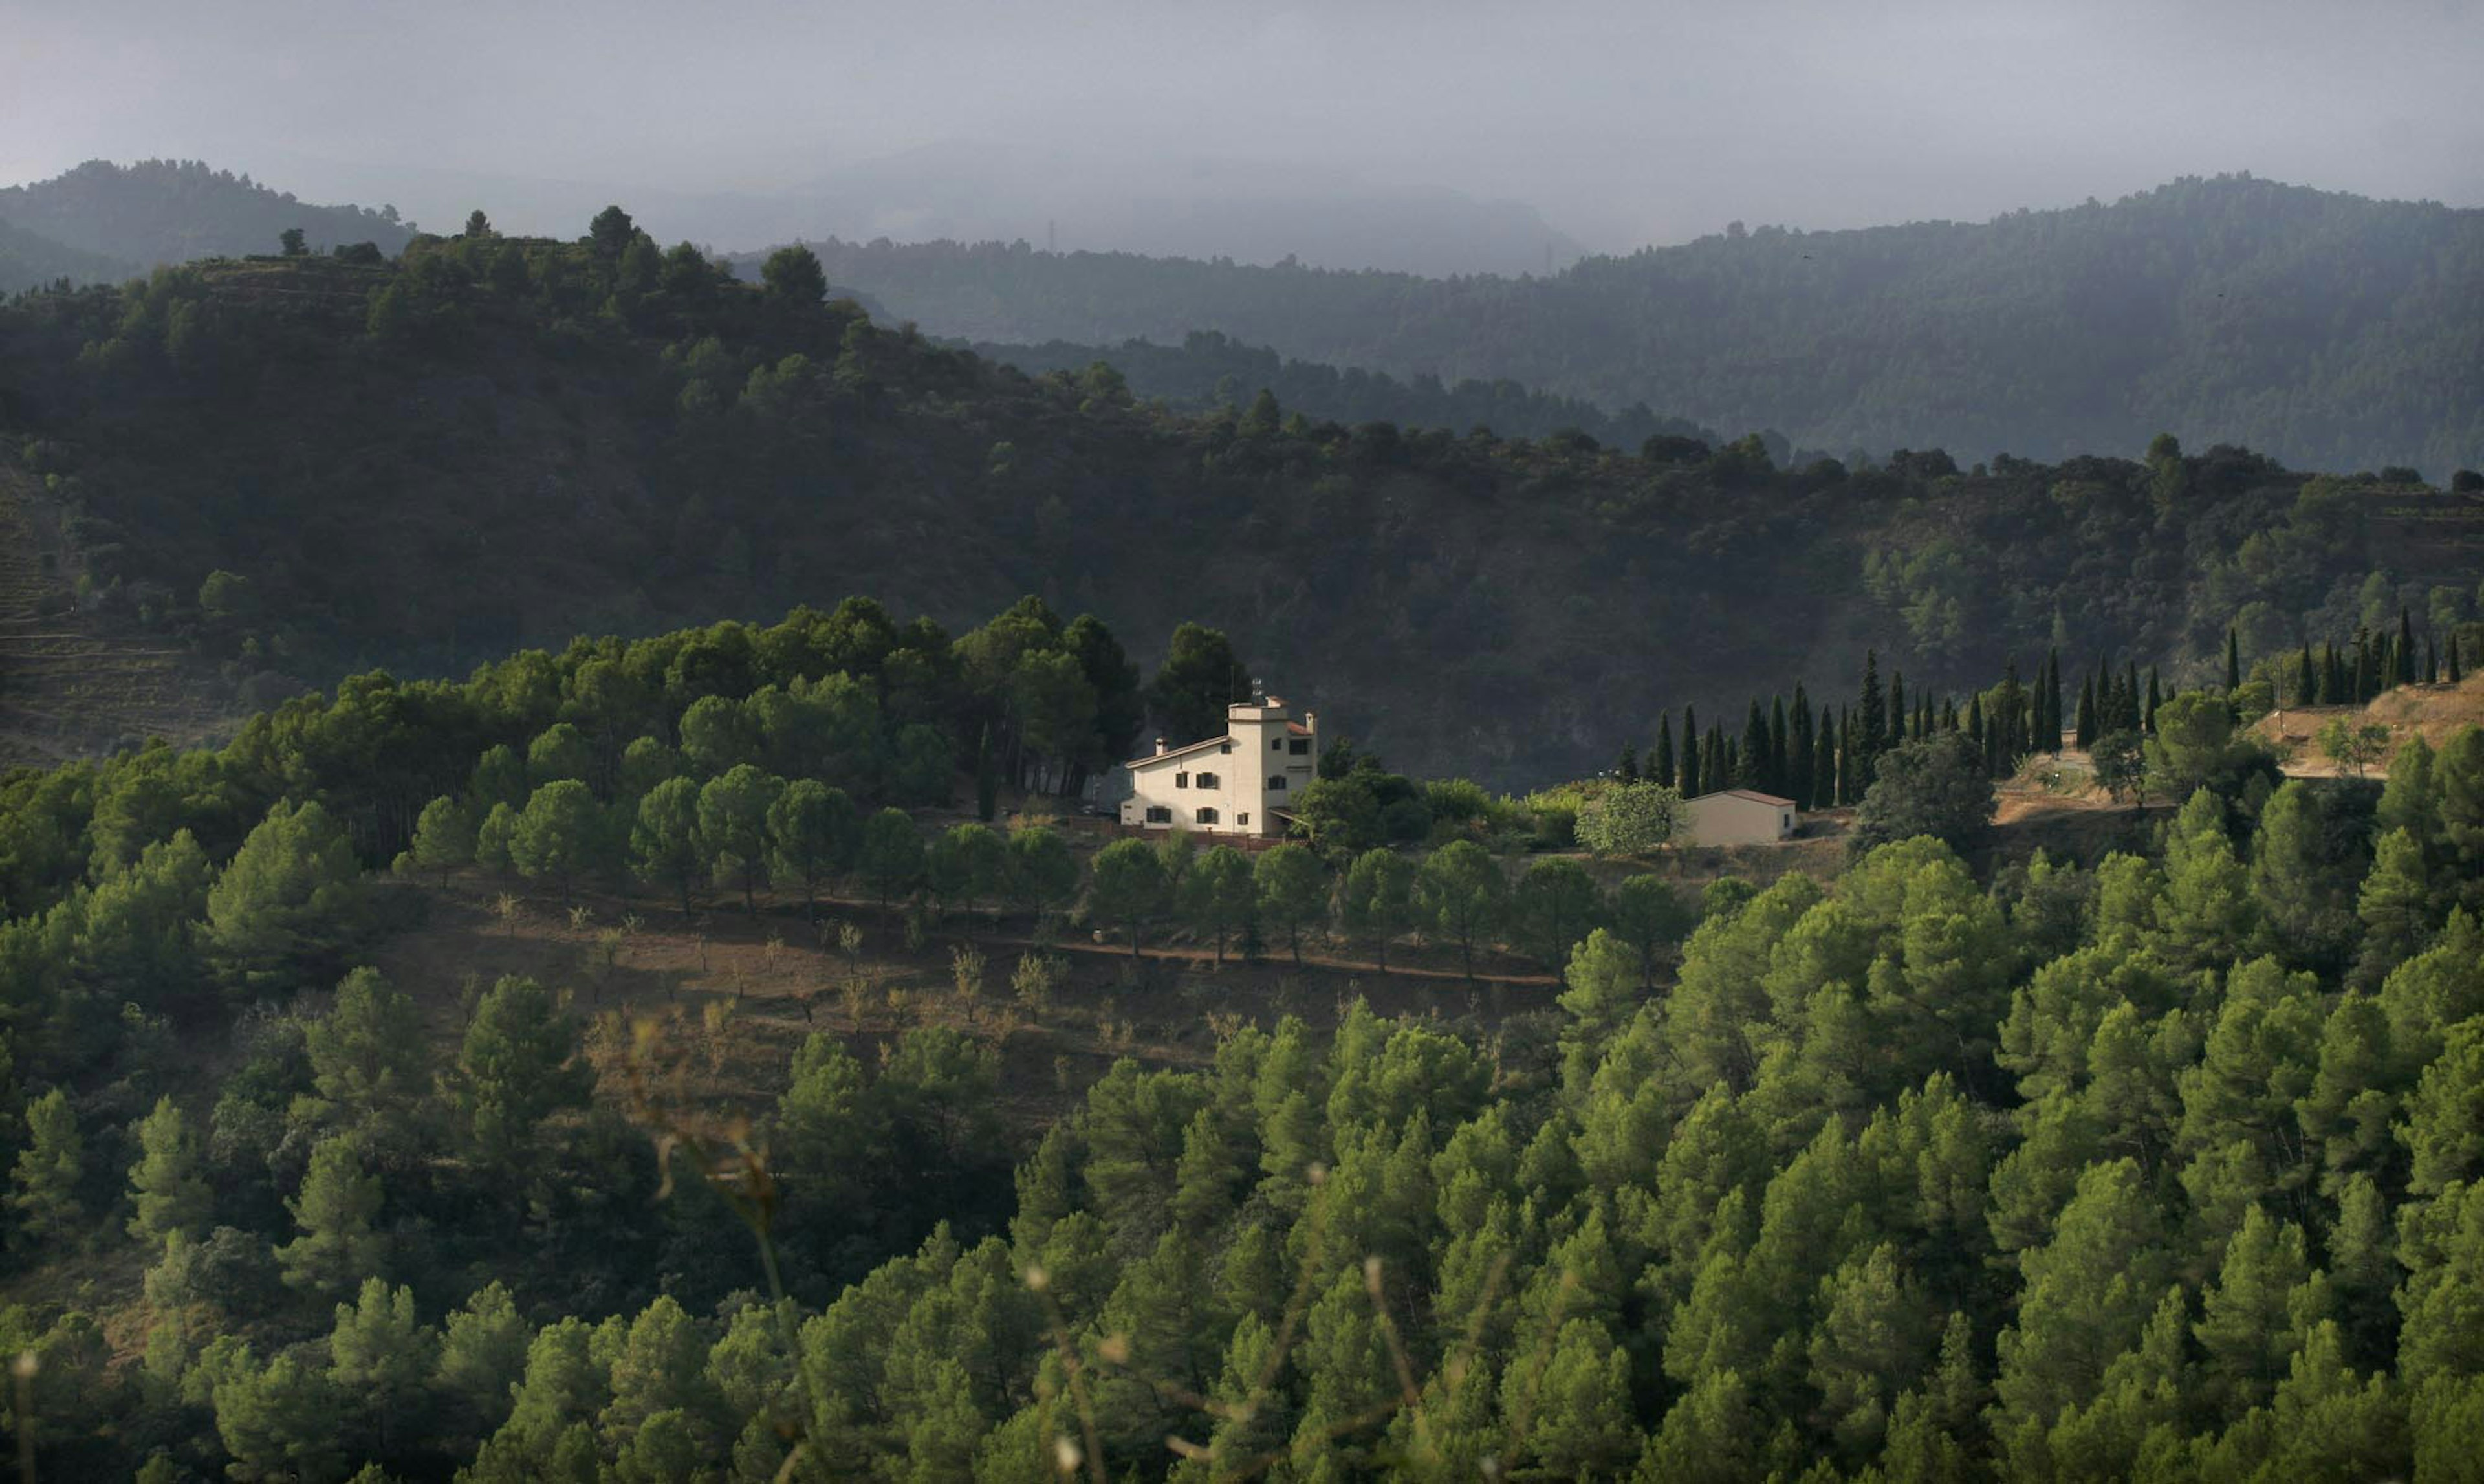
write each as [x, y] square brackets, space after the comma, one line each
[1239, 783]
[1738, 817]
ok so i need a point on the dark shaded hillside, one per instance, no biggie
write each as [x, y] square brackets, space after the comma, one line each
[171, 211]
[2329, 330]
[500, 444]
[1210, 370]
[28, 260]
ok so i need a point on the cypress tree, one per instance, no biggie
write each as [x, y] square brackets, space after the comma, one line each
[2052, 728]
[1897, 708]
[2155, 694]
[1799, 752]
[2406, 649]
[2307, 679]
[1975, 722]
[1824, 763]
[1780, 771]
[1692, 784]
[1874, 726]
[2086, 735]
[2233, 662]
[1665, 771]
[1846, 789]
[1751, 758]
[1716, 761]
[2454, 676]
[2332, 676]
[2362, 678]
[1627, 770]
[2431, 661]
[2133, 718]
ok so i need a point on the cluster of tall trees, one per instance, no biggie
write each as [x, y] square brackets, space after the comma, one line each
[1829, 759]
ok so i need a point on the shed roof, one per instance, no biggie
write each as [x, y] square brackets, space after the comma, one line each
[1749, 795]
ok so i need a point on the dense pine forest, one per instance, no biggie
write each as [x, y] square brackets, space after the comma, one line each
[2159, 1164]
[268, 463]
[2326, 330]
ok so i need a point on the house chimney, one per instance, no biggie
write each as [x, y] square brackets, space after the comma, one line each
[1310, 721]
[1160, 746]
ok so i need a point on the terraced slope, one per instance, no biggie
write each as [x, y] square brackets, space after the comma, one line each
[69, 687]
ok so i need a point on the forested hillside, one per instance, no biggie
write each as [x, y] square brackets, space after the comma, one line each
[1210, 370]
[304, 466]
[27, 260]
[2326, 330]
[2162, 1165]
[171, 211]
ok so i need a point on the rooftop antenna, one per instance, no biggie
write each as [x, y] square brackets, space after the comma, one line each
[1258, 690]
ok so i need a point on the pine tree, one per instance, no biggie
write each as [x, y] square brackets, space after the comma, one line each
[337, 1211]
[165, 1186]
[1665, 771]
[42, 1187]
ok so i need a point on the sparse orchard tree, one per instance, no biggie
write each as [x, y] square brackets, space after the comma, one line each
[1462, 893]
[1217, 894]
[1377, 900]
[1128, 887]
[664, 839]
[1293, 890]
[443, 838]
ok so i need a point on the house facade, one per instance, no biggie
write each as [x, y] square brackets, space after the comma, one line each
[1237, 784]
[1738, 817]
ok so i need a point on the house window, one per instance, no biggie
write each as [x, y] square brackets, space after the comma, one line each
[1276, 744]
[1276, 783]
[1242, 820]
[1181, 780]
[1159, 813]
[1225, 746]
[1208, 780]
[1206, 816]
[1299, 746]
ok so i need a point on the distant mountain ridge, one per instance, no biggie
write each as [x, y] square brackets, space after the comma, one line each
[28, 260]
[2331, 329]
[171, 211]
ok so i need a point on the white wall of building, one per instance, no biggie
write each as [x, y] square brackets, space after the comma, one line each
[1230, 785]
[1738, 817]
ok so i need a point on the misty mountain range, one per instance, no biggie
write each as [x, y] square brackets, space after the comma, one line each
[2327, 329]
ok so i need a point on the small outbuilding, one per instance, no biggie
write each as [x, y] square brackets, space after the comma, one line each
[1738, 817]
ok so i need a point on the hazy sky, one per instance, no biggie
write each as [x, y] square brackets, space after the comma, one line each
[1622, 120]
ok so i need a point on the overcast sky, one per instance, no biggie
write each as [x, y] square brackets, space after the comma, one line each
[1622, 122]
